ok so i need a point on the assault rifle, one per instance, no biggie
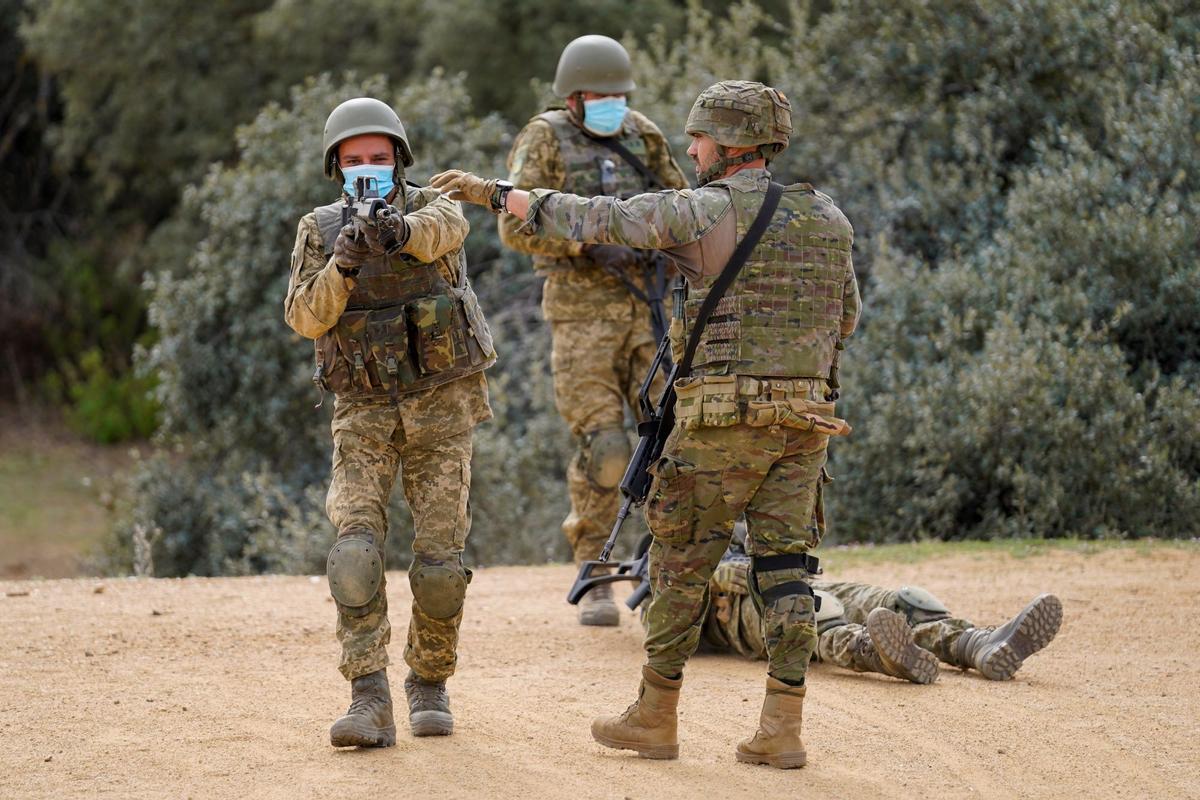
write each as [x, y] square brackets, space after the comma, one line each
[373, 210]
[659, 419]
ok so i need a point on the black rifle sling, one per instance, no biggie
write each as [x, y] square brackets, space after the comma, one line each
[652, 182]
[727, 276]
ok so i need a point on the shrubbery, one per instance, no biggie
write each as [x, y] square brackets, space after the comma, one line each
[1025, 186]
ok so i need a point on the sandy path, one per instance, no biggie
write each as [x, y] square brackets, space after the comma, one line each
[224, 688]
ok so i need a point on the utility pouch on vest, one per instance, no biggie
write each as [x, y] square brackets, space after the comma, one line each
[387, 332]
[351, 373]
[708, 401]
[433, 318]
[796, 412]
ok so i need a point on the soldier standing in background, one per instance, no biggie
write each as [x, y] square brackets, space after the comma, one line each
[753, 416]
[402, 344]
[597, 297]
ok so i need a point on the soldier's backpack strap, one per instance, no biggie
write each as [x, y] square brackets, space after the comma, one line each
[653, 184]
[736, 261]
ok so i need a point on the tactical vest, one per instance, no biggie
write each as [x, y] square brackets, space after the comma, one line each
[404, 328]
[592, 170]
[782, 315]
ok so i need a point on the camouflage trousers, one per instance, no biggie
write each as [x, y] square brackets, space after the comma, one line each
[735, 624]
[860, 599]
[426, 440]
[706, 478]
[598, 366]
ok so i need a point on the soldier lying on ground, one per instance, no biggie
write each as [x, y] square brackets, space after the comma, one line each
[902, 633]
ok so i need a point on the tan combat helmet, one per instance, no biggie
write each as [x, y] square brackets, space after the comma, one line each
[357, 117]
[594, 63]
[741, 114]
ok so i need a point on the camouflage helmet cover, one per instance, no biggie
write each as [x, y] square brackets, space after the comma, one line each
[594, 63]
[743, 114]
[363, 115]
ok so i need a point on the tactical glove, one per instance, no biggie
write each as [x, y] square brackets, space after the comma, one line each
[611, 256]
[354, 247]
[464, 186]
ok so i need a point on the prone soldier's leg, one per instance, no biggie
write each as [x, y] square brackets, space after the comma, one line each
[588, 360]
[364, 472]
[437, 485]
[858, 599]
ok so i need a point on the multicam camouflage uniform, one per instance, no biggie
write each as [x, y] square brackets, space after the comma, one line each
[601, 334]
[733, 623]
[403, 347]
[753, 423]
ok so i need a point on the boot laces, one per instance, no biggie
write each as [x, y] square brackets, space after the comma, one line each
[427, 696]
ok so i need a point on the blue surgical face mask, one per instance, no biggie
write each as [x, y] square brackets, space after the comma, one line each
[382, 173]
[604, 115]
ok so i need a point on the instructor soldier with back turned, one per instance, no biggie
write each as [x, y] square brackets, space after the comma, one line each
[755, 413]
[597, 296]
[402, 344]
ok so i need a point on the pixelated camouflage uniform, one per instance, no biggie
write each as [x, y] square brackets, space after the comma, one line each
[601, 333]
[384, 428]
[750, 435]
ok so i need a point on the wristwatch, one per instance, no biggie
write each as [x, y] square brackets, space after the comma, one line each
[500, 195]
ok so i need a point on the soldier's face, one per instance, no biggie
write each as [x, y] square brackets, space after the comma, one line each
[703, 152]
[370, 148]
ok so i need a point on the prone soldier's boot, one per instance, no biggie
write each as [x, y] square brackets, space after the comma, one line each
[649, 726]
[777, 741]
[999, 652]
[887, 647]
[598, 608]
[368, 722]
[428, 706]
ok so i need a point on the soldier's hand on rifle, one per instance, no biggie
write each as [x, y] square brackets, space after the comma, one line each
[611, 256]
[354, 247]
[464, 186]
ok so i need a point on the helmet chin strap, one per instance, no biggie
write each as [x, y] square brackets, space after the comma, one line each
[722, 164]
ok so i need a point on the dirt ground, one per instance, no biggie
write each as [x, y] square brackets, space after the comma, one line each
[224, 688]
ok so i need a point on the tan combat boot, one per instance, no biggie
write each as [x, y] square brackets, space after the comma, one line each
[649, 726]
[597, 607]
[369, 721]
[777, 741]
[998, 653]
[887, 647]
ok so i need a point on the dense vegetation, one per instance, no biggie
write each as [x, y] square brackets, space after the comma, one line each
[1024, 180]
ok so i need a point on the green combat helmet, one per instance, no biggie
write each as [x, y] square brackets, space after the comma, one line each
[593, 63]
[357, 117]
[741, 114]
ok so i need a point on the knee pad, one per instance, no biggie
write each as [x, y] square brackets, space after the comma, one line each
[354, 569]
[439, 588]
[783, 598]
[606, 453]
[919, 605]
[830, 611]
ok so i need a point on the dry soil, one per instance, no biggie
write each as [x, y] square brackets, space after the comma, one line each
[224, 688]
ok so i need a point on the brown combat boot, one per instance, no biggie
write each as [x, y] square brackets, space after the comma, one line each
[428, 706]
[649, 726]
[597, 607]
[887, 647]
[368, 722]
[777, 741]
[999, 652]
